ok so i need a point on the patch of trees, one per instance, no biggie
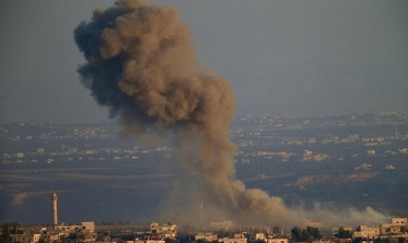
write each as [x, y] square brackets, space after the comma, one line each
[343, 234]
[305, 235]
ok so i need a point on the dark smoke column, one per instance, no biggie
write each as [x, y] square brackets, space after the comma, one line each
[141, 64]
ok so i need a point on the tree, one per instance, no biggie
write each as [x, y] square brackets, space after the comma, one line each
[358, 240]
[305, 235]
[314, 232]
[379, 240]
[5, 234]
[296, 233]
[170, 240]
[343, 234]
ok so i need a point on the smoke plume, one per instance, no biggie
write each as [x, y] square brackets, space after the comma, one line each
[141, 64]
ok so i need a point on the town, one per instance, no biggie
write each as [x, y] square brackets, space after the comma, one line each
[222, 231]
[328, 159]
[395, 231]
[377, 135]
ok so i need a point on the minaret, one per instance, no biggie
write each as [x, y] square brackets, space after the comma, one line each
[54, 210]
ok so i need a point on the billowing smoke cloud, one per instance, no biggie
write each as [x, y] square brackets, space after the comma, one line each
[141, 64]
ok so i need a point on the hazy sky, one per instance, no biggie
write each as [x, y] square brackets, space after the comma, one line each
[283, 57]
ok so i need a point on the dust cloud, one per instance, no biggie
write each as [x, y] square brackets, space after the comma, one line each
[141, 64]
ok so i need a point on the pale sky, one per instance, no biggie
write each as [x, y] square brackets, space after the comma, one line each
[282, 57]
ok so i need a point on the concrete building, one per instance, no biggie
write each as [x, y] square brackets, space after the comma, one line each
[85, 237]
[399, 221]
[85, 227]
[35, 238]
[239, 236]
[308, 155]
[207, 236]
[164, 231]
[397, 226]
[51, 236]
[389, 229]
[233, 240]
[366, 232]
[149, 241]
[257, 237]
[21, 236]
[278, 240]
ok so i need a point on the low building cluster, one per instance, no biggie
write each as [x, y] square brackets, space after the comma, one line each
[86, 232]
[395, 231]
[242, 237]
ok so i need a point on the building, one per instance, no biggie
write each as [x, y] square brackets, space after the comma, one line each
[241, 239]
[85, 232]
[20, 236]
[257, 237]
[397, 226]
[308, 155]
[389, 229]
[85, 227]
[164, 231]
[277, 240]
[50, 235]
[149, 241]
[366, 232]
[399, 221]
[207, 236]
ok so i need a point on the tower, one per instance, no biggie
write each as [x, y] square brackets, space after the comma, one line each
[54, 210]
